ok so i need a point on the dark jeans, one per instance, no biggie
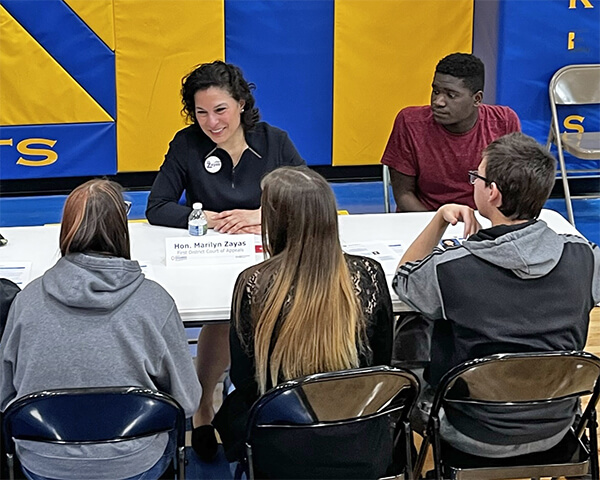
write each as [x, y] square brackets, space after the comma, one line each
[155, 472]
[412, 341]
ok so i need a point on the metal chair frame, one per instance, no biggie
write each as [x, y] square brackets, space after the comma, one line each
[93, 415]
[574, 85]
[387, 203]
[515, 467]
[398, 404]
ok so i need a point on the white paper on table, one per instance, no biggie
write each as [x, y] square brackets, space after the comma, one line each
[18, 272]
[388, 255]
[210, 250]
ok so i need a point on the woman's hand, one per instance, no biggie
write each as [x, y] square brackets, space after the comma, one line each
[253, 229]
[236, 221]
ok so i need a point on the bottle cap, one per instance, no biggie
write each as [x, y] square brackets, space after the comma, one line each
[197, 206]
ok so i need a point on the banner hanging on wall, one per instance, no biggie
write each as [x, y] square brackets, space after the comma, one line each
[536, 39]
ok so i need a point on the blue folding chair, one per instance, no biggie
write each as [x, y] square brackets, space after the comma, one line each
[77, 416]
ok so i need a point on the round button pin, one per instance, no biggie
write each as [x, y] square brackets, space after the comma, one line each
[212, 164]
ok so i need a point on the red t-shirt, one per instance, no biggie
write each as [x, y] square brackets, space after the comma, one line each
[420, 147]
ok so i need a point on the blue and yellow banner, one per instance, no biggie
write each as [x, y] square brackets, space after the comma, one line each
[536, 39]
[92, 87]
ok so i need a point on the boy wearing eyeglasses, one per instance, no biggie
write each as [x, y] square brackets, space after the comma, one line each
[429, 150]
[515, 287]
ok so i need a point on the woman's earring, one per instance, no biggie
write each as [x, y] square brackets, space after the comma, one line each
[242, 110]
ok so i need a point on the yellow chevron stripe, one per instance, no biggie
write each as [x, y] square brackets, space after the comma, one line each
[99, 16]
[36, 90]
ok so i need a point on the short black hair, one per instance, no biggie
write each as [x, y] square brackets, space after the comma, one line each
[524, 172]
[465, 66]
[222, 75]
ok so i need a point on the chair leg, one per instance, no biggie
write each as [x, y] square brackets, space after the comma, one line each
[437, 449]
[386, 189]
[250, 459]
[181, 463]
[418, 468]
[565, 182]
[593, 431]
[10, 460]
[408, 441]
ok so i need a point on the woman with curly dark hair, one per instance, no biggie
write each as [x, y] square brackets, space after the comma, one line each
[221, 157]
[219, 160]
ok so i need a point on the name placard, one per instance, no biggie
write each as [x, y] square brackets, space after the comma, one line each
[209, 250]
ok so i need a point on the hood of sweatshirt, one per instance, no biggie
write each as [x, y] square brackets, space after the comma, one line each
[92, 281]
[530, 250]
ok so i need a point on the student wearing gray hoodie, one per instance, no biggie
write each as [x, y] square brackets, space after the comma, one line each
[515, 287]
[93, 320]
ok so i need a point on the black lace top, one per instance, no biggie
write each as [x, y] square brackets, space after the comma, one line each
[373, 294]
[372, 291]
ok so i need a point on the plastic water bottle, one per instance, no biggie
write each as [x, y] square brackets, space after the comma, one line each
[197, 221]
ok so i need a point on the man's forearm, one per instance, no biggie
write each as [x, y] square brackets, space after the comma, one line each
[408, 202]
[451, 213]
[405, 187]
[427, 240]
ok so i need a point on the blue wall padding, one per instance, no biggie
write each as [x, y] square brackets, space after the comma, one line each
[29, 211]
[77, 49]
[90, 151]
[528, 26]
[288, 44]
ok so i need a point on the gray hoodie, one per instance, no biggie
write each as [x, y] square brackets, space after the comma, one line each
[94, 320]
[529, 256]
[517, 288]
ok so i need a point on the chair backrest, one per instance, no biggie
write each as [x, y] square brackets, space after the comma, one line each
[534, 381]
[522, 378]
[92, 415]
[330, 425]
[576, 85]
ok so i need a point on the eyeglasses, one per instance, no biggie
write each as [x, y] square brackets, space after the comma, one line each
[474, 175]
[127, 206]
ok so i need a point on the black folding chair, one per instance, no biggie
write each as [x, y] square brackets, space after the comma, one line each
[93, 415]
[346, 424]
[514, 382]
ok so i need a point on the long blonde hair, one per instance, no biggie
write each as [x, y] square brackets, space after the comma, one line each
[307, 318]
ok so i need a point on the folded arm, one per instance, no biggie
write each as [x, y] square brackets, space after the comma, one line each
[429, 238]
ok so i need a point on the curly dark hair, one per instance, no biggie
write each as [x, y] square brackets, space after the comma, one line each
[465, 66]
[222, 75]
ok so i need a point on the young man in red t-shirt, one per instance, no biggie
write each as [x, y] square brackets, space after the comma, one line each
[431, 148]
[430, 152]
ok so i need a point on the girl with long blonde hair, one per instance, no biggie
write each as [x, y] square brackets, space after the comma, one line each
[308, 308]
